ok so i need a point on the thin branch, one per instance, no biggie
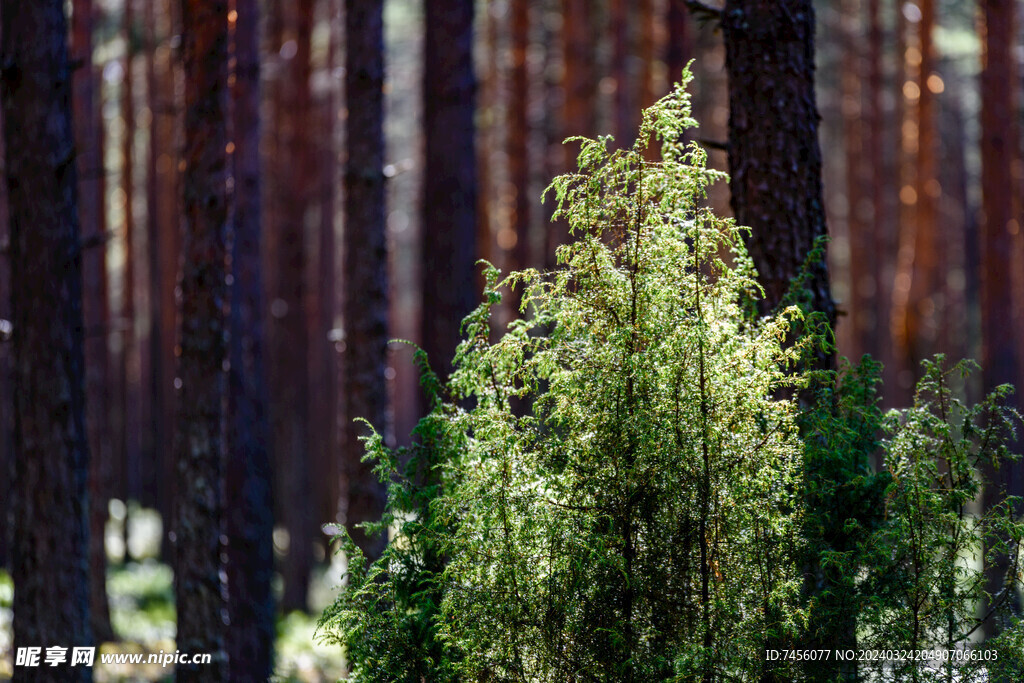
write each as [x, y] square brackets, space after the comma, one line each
[714, 144]
[702, 10]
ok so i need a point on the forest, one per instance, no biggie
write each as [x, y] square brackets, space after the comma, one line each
[511, 340]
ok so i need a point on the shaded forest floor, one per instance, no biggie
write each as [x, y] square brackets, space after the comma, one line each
[142, 614]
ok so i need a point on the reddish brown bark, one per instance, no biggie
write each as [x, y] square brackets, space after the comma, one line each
[199, 444]
[49, 509]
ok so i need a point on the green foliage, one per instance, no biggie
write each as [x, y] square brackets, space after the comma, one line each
[388, 615]
[639, 481]
[928, 582]
[641, 520]
[841, 423]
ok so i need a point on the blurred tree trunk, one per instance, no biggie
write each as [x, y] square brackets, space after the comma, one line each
[450, 190]
[899, 378]
[680, 40]
[773, 124]
[365, 299]
[1000, 238]
[168, 117]
[323, 358]
[277, 160]
[249, 519]
[6, 374]
[859, 223]
[94, 309]
[488, 140]
[623, 15]
[199, 588]
[925, 297]
[291, 416]
[915, 295]
[579, 88]
[129, 395]
[517, 144]
[884, 186]
[160, 231]
[49, 509]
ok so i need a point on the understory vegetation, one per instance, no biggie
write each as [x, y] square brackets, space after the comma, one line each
[643, 479]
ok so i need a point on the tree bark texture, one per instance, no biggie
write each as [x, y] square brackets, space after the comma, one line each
[365, 298]
[199, 589]
[249, 519]
[774, 157]
[49, 508]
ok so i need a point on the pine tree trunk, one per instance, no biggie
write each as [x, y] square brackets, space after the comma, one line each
[6, 372]
[922, 311]
[858, 222]
[450, 190]
[167, 245]
[49, 557]
[323, 358]
[365, 299]
[249, 520]
[291, 418]
[129, 357]
[95, 311]
[1000, 237]
[518, 143]
[774, 157]
[199, 589]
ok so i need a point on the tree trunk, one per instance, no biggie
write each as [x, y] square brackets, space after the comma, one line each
[6, 372]
[922, 311]
[249, 519]
[291, 417]
[49, 509]
[1000, 236]
[859, 224]
[365, 299]
[199, 589]
[166, 250]
[680, 40]
[774, 158]
[323, 358]
[450, 190]
[129, 394]
[95, 311]
[518, 144]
